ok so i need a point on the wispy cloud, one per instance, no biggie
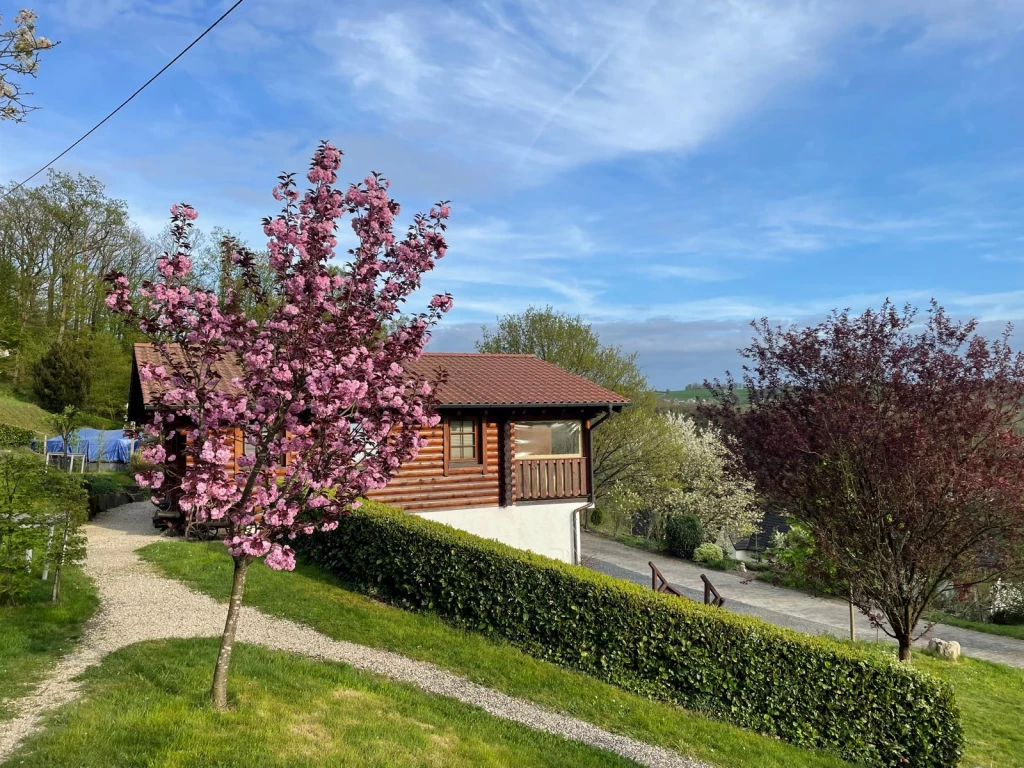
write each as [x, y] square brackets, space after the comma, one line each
[698, 274]
[572, 82]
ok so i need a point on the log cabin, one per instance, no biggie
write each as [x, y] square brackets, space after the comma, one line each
[511, 458]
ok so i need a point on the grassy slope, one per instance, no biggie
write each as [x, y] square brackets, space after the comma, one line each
[146, 705]
[24, 415]
[1006, 630]
[314, 598]
[19, 413]
[34, 636]
[991, 698]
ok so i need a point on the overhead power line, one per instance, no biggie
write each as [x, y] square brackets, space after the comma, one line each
[124, 103]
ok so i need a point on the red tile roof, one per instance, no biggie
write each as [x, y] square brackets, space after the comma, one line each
[146, 353]
[474, 379]
[495, 379]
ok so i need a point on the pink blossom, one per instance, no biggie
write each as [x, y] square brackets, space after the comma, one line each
[314, 400]
[280, 558]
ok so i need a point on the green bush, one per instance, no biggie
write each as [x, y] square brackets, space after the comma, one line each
[41, 510]
[799, 565]
[811, 691]
[708, 553]
[596, 516]
[15, 437]
[683, 534]
[97, 484]
[137, 464]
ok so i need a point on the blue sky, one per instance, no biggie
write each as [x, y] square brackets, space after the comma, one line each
[669, 170]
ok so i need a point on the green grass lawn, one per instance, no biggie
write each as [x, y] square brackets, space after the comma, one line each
[991, 698]
[21, 413]
[637, 542]
[147, 705]
[1006, 630]
[18, 413]
[316, 599]
[35, 635]
[121, 479]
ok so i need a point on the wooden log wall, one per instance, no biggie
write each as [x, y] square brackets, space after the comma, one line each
[423, 484]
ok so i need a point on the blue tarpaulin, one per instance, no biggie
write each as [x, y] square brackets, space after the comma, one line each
[97, 445]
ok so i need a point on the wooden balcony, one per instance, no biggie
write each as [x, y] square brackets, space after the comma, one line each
[551, 478]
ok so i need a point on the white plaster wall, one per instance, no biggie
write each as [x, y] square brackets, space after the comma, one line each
[547, 529]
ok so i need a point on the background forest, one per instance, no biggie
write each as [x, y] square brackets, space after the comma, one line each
[59, 345]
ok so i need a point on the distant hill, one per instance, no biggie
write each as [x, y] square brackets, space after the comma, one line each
[682, 395]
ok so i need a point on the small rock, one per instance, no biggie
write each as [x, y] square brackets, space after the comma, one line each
[742, 568]
[947, 649]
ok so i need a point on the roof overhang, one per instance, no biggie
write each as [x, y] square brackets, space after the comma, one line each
[537, 406]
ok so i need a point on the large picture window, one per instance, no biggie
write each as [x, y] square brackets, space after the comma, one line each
[462, 440]
[548, 438]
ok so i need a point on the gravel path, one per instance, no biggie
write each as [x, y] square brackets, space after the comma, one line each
[137, 604]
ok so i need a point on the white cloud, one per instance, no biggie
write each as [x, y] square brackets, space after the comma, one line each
[566, 83]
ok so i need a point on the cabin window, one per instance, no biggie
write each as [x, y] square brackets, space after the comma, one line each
[548, 438]
[463, 440]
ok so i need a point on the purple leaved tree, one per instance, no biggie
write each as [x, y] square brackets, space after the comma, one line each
[322, 395]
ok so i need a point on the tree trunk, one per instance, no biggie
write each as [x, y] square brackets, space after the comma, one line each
[227, 640]
[59, 562]
[49, 555]
[904, 641]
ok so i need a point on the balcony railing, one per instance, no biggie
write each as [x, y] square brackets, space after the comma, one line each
[551, 478]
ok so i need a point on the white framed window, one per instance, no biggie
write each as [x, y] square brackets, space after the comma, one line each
[463, 442]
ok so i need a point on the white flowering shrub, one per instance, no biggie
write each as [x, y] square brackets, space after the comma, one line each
[709, 484]
[622, 503]
[1006, 601]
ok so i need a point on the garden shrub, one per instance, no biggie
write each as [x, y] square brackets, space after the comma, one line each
[137, 465]
[15, 437]
[596, 516]
[98, 484]
[1007, 601]
[683, 534]
[798, 564]
[708, 553]
[811, 691]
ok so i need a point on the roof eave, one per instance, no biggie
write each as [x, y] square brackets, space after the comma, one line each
[603, 405]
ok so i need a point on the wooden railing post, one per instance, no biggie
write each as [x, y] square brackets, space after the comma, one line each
[709, 589]
[551, 478]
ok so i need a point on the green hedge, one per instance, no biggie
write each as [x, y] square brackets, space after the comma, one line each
[14, 437]
[810, 691]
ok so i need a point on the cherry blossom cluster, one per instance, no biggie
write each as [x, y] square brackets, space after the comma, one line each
[321, 396]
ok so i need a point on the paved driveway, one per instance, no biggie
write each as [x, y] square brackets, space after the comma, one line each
[785, 607]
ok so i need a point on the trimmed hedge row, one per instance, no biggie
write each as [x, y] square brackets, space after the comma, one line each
[810, 691]
[15, 437]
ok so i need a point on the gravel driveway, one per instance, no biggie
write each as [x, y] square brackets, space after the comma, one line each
[137, 604]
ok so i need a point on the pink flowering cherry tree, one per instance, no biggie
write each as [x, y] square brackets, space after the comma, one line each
[321, 397]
